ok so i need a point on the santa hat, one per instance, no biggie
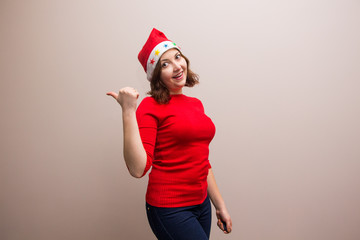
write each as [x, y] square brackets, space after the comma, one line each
[151, 52]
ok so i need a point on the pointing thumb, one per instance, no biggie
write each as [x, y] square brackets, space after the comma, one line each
[112, 94]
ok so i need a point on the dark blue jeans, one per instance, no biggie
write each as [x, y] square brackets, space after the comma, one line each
[181, 223]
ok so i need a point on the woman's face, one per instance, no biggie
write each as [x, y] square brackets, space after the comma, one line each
[173, 71]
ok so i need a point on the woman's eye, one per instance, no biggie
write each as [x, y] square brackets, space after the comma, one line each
[164, 65]
[178, 56]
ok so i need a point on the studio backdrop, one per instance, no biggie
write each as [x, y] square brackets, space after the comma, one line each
[279, 79]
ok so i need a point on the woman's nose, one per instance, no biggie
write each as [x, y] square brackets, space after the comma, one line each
[176, 66]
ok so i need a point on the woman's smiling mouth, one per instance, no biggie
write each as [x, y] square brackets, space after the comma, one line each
[179, 75]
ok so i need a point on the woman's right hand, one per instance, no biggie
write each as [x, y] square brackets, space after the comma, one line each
[127, 98]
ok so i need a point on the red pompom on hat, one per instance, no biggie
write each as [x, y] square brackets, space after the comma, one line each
[151, 52]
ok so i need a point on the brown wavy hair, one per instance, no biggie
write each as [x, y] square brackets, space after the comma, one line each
[159, 91]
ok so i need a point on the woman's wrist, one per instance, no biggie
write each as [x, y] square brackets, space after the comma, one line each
[128, 111]
[221, 207]
[219, 204]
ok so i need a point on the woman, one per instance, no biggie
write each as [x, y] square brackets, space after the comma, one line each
[171, 133]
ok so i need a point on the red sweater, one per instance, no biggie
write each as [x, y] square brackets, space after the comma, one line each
[176, 137]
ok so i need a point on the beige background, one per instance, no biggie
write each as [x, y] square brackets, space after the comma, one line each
[280, 79]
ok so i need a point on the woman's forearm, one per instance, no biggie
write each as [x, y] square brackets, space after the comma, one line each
[134, 152]
[224, 219]
[214, 192]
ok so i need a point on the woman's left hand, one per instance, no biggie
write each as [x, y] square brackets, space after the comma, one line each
[224, 220]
